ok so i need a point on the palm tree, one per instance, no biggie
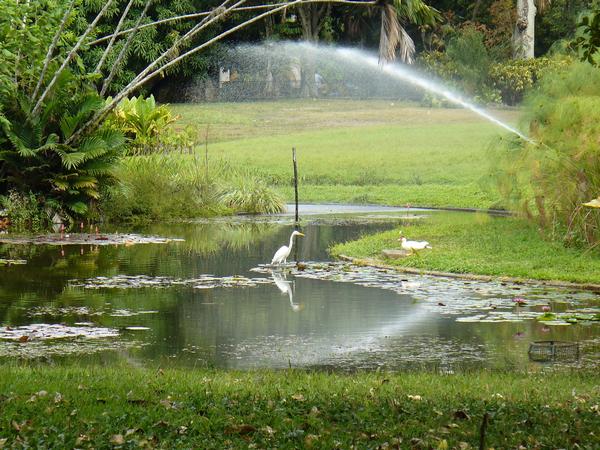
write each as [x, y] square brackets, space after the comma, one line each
[393, 37]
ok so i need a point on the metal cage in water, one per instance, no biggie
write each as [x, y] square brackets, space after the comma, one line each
[553, 350]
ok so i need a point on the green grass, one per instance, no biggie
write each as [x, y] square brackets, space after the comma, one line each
[356, 151]
[481, 244]
[131, 408]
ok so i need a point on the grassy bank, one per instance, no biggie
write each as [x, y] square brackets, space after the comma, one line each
[371, 151]
[482, 244]
[50, 407]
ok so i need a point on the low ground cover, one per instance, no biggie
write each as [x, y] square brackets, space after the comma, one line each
[62, 407]
[481, 244]
[373, 151]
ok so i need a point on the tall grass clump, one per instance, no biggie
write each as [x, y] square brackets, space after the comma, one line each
[550, 180]
[160, 187]
[251, 195]
[174, 186]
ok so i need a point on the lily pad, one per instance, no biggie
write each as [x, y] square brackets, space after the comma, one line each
[86, 239]
[12, 262]
[468, 301]
[44, 331]
[145, 281]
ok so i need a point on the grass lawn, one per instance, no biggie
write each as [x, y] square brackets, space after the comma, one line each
[61, 407]
[481, 244]
[356, 151]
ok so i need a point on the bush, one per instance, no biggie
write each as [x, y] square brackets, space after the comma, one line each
[549, 180]
[513, 78]
[147, 127]
[465, 66]
[24, 212]
[35, 154]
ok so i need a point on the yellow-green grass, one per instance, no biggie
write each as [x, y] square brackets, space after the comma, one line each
[124, 407]
[481, 244]
[356, 151]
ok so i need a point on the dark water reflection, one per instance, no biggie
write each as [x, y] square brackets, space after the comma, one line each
[291, 322]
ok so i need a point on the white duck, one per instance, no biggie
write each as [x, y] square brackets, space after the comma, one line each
[413, 246]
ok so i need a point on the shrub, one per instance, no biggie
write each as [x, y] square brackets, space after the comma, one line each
[24, 211]
[148, 127]
[513, 78]
[465, 66]
[35, 155]
[549, 180]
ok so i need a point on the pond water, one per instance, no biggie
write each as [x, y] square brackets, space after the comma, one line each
[207, 301]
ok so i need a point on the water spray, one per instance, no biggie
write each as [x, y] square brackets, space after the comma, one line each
[359, 59]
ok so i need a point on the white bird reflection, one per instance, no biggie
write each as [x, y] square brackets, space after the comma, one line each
[285, 287]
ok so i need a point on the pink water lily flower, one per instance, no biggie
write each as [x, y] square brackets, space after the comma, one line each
[519, 301]
[546, 308]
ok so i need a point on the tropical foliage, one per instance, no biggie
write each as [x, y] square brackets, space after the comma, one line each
[36, 154]
[587, 42]
[550, 178]
[61, 140]
[514, 78]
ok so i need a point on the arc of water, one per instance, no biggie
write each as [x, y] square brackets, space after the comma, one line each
[416, 79]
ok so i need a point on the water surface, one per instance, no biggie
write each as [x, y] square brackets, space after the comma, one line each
[342, 317]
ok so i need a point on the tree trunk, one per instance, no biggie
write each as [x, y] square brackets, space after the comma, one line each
[524, 36]
[312, 18]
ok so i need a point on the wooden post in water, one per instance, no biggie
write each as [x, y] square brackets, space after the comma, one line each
[295, 183]
[206, 152]
[296, 221]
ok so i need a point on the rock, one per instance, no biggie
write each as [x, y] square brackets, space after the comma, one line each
[394, 254]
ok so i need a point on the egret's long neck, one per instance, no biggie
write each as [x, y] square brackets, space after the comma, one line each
[291, 241]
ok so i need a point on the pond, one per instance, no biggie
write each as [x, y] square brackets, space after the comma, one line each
[208, 301]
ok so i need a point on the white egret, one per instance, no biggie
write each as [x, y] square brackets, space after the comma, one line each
[413, 246]
[282, 254]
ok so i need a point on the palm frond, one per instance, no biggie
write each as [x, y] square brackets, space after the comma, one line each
[393, 36]
[70, 160]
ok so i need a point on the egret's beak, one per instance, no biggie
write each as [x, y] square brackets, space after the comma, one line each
[300, 234]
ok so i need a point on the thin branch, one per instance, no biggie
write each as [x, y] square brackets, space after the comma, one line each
[101, 114]
[69, 57]
[217, 14]
[206, 13]
[141, 81]
[51, 50]
[123, 51]
[112, 41]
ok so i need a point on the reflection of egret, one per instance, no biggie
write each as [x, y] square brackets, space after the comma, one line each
[282, 254]
[285, 287]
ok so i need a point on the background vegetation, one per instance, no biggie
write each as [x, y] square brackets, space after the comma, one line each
[77, 152]
[550, 179]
